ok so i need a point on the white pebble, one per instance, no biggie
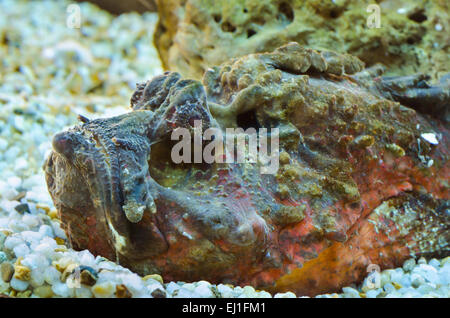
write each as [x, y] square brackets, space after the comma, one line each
[417, 280]
[12, 241]
[422, 260]
[37, 278]
[285, 295]
[373, 293]
[225, 291]
[264, 294]
[389, 288]
[61, 289]
[107, 265]
[20, 164]
[83, 292]
[393, 294]
[14, 182]
[36, 262]
[203, 291]
[30, 220]
[18, 285]
[17, 226]
[435, 263]
[189, 286]
[52, 275]
[3, 144]
[58, 231]
[409, 265]
[249, 292]
[430, 137]
[237, 291]
[46, 230]
[86, 258]
[9, 193]
[397, 275]
[350, 292]
[21, 250]
[45, 249]
[184, 293]
[134, 284]
[31, 237]
[426, 288]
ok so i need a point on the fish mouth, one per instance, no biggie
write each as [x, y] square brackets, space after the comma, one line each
[93, 163]
[79, 213]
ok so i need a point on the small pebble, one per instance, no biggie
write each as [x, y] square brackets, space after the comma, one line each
[24, 294]
[83, 292]
[422, 260]
[225, 291]
[285, 295]
[158, 293]
[22, 208]
[373, 293]
[18, 285]
[104, 290]
[52, 275]
[417, 280]
[22, 272]
[61, 289]
[435, 263]
[389, 288]
[409, 264]
[43, 291]
[3, 257]
[350, 292]
[88, 275]
[264, 294]
[203, 291]
[7, 271]
[155, 277]
[122, 292]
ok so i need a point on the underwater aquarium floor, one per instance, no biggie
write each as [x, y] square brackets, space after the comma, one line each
[49, 74]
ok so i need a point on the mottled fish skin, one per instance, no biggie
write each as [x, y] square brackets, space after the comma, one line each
[414, 91]
[357, 182]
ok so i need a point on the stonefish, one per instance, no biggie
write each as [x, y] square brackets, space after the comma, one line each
[362, 179]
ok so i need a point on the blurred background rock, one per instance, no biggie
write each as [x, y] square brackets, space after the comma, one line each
[118, 7]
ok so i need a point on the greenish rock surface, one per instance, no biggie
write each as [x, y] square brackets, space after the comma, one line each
[193, 35]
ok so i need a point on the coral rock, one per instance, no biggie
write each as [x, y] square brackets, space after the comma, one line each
[193, 35]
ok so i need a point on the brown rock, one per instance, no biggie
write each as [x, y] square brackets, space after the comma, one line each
[7, 270]
[122, 292]
[119, 7]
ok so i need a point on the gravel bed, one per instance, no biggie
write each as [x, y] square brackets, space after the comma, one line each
[51, 73]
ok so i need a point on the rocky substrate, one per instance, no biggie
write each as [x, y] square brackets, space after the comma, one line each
[51, 73]
[35, 262]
